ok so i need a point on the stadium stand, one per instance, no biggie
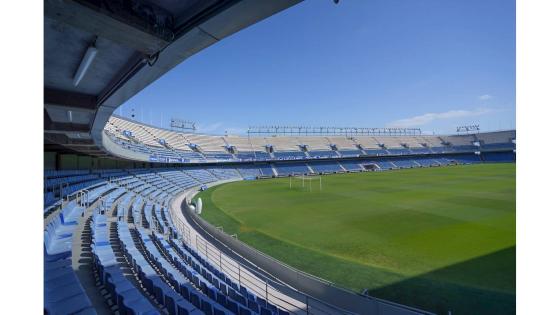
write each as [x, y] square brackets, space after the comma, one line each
[399, 151]
[266, 170]
[285, 143]
[177, 147]
[351, 165]
[404, 163]
[463, 159]
[63, 293]
[350, 153]
[326, 167]
[139, 257]
[289, 155]
[249, 172]
[499, 157]
[292, 168]
[323, 154]
[241, 144]
[385, 165]
[140, 260]
[131, 252]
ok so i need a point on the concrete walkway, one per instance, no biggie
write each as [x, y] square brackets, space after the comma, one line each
[82, 262]
[255, 284]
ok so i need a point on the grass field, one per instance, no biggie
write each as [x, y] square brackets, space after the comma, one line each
[438, 238]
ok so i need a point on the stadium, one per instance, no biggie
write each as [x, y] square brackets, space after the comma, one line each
[280, 219]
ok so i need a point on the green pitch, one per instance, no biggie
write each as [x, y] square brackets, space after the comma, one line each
[436, 238]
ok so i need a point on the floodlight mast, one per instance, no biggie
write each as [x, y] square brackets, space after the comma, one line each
[182, 125]
[468, 129]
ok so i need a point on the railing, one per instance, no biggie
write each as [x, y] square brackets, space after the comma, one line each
[247, 273]
[269, 278]
[253, 277]
[117, 149]
[78, 195]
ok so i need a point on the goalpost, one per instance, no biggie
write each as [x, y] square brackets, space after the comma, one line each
[307, 181]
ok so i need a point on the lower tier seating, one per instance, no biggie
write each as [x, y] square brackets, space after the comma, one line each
[141, 261]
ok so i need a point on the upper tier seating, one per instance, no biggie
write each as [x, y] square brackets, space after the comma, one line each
[284, 143]
[206, 142]
[496, 137]
[240, 143]
[367, 142]
[169, 146]
[342, 143]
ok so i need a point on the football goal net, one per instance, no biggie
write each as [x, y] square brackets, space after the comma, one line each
[307, 183]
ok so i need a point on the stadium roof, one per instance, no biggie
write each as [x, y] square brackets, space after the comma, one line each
[98, 54]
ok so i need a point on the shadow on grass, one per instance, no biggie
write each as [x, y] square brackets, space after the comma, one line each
[460, 288]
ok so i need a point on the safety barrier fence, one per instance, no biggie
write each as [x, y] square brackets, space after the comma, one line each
[252, 277]
[262, 273]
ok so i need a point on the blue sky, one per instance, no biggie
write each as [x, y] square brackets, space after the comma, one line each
[431, 64]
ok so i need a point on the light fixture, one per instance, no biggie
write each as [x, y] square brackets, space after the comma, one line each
[84, 65]
[69, 114]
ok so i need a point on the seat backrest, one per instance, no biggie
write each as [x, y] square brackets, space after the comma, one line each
[47, 239]
[244, 311]
[265, 311]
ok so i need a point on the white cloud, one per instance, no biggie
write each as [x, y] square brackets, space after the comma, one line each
[485, 97]
[427, 118]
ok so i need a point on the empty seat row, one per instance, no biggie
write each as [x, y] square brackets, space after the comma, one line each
[63, 293]
[127, 296]
[151, 280]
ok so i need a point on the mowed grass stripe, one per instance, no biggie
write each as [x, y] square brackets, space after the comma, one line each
[377, 230]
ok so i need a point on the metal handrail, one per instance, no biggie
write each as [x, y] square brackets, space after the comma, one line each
[262, 283]
[269, 283]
